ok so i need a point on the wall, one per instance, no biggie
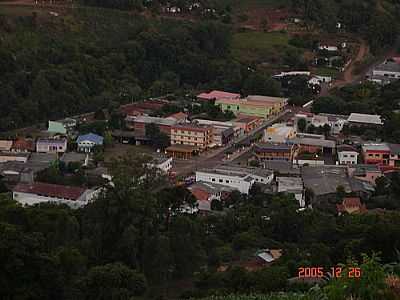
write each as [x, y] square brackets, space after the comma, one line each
[231, 181]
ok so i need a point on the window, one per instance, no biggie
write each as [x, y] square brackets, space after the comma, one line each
[221, 180]
[227, 181]
[213, 179]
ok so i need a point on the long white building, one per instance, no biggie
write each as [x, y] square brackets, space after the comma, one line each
[241, 179]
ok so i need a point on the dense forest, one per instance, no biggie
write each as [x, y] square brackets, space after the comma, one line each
[131, 242]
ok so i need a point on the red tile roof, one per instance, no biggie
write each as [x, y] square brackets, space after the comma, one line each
[23, 145]
[50, 190]
[351, 204]
[200, 194]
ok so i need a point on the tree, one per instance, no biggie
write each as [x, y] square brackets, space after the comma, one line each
[302, 125]
[113, 281]
[158, 139]
[260, 83]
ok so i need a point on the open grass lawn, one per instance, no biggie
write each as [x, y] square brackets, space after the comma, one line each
[246, 4]
[248, 46]
[120, 149]
[323, 71]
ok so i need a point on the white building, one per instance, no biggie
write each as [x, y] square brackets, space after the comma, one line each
[347, 155]
[364, 119]
[162, 163]
[279, 133]
[240, 179]
[385, 73]
[51, 145]
[37, 192]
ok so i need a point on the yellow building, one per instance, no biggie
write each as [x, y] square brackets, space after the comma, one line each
[258, 106]
[192, 135]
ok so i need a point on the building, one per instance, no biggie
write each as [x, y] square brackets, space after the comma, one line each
[180, 117]
[394, 160]
[351, 205]
[143, 107]
[279, 133]
[271, 151]
[323, 183]
[376, 153]
[356, 119]
[347, 155]
[309, 159]
[56, 128]
[5, 145]
[279, 103]
[87, 142]
[197, 136]
[257, 106]
[335, 122]
[163, 163]
[23, 145]
[138, 124]
[222, 135]
[313, 145]
[51, 145]
[216, 95]
[14, 156]
[292, 185]
[385, 73]
[241, 179]
[368, 173]
[182, 151]
[247, 123]
[206, 192]
[34, 193]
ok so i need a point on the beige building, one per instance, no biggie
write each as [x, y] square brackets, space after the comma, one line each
[279, 133]
[192, 135]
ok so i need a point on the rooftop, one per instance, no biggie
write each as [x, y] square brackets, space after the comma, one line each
[345, 147]
[313, 142]
[365, 119]
[50, 190]
[152, 120]
[43, 157]
[266, 98]
[56, 127]
[51, 141]
[375, 147]
[214, 95]
[272, 147]
[5, 145]
[287, 184]
[388, 66]
[91, 137]
[192, 127]
[245, 119]
[69, 157]
[178, 116]
[279, 130]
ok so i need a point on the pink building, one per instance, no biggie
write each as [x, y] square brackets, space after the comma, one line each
[216, 95]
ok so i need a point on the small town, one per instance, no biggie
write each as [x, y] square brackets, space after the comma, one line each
[200, 150]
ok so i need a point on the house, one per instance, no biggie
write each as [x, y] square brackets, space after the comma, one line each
[347, 155]
[56, 128]
[142, 108]
[292, 185]
[356, 119]
[38, 192]
[376, 153]
[69, 123]
[5, 145]
[197, 136]
[279, 103]
[247, 123]
[279, 133]
[216, 95]
[351, 205]
[138, 124]
[87, 142]
[368, 173]
[51, 145]
[237, 178]
[273, 151]
[23, 145]
[14, 156]
[206, 192]
[222, 135]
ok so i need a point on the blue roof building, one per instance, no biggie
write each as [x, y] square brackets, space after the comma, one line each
[88, 141]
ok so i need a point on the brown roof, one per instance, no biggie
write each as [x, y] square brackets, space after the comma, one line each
[200, 194]
[24, 145]
[351, 205]
[179, 116]
[50, 190]
[192, 127]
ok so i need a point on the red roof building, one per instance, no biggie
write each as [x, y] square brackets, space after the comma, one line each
[351, 205]
[23, 145]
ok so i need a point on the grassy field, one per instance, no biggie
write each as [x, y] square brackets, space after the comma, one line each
[246, 4]
[327, 72]
[248, 46]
